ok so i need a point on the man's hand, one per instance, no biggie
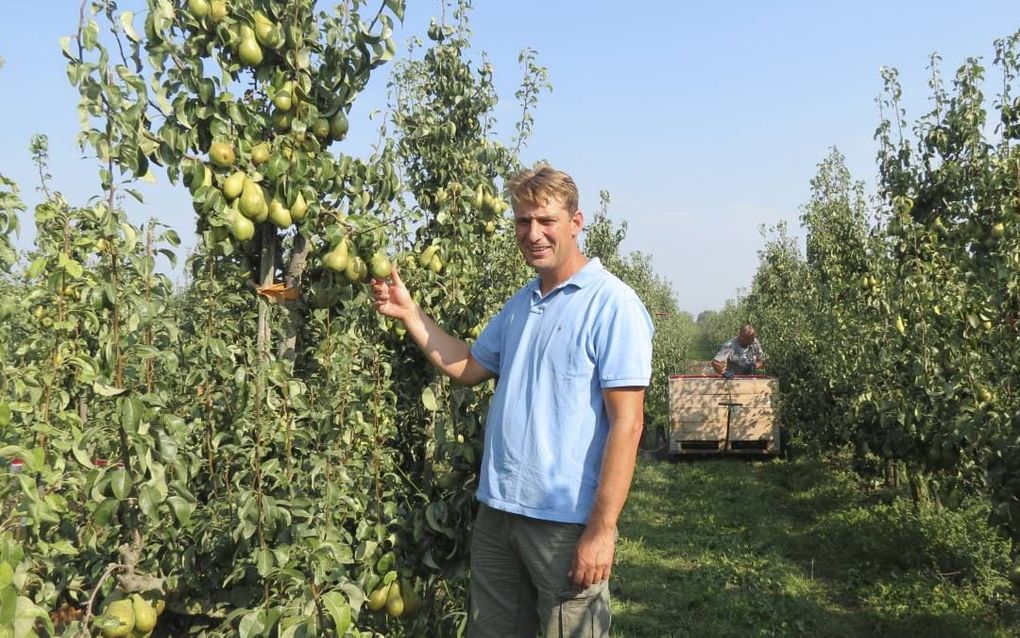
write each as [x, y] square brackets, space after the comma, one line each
[593, 559]
[392, 298]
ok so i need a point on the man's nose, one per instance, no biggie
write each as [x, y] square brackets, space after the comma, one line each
[531, 232]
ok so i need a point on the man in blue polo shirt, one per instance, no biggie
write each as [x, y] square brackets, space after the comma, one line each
[571, 352]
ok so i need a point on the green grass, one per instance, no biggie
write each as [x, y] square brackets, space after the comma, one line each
[725, 547]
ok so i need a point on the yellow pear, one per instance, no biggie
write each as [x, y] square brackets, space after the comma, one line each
[394, 602]
[299, 208]
[279, 214]
[336, 259]
[145, 615]
[222, 154]
[355, 270]
[217, 10]
[260, 153]
[426, 256]
[380, 266]
[253, 201]
[233, 185]
[436, 264]
[199, 8]
[122, 612]
[377, 599]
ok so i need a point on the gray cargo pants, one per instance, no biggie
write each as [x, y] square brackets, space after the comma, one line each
[519, 585]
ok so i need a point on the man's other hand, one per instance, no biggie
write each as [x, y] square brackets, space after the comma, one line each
[392, 298]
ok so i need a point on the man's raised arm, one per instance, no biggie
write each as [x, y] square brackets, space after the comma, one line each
[448, 353]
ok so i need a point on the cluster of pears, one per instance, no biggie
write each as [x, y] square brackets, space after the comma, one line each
[396, 600]
[133, 615]
[340, 259]
[490, 206]
[431, 258]
[215, 10]
[287, 105]
[249, 203]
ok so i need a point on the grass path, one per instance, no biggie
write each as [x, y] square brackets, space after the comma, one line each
[735, 548]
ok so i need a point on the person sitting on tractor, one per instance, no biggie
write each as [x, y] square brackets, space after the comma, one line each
[740, 355]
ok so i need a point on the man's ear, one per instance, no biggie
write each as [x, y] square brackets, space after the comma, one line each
[577, 223]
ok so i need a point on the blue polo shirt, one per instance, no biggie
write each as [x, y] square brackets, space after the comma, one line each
[547, 425]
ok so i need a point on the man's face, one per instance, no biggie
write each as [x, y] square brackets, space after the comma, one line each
[745, 339]
[547, 235]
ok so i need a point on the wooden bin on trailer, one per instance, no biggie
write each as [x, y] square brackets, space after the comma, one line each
[710, 414]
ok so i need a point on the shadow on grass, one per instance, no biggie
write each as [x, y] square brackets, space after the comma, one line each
[725, 547]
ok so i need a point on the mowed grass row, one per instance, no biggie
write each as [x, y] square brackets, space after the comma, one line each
[729, 547]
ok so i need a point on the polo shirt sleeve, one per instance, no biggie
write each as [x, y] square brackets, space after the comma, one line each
[623, 344]
[488, 347]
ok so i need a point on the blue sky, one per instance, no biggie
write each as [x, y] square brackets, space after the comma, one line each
[702, 120]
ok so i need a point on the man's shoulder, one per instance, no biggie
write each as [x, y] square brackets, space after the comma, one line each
[605, 284]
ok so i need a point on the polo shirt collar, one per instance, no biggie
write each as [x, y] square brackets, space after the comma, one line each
[579, 279]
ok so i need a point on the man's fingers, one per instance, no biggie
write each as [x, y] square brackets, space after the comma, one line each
[395, 276]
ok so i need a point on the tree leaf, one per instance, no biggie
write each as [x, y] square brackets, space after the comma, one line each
[397, 7]
[182, 508]
[338, 610]
[428, 399]
[126, 22]
[120, 483]
[252, 624]
[107, 390]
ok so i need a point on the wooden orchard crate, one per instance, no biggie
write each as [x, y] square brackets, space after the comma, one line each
[712, 414]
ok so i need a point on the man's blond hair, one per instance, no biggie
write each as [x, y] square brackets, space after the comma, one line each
[540, 185]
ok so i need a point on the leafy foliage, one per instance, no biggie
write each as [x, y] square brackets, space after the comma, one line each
[898, 336]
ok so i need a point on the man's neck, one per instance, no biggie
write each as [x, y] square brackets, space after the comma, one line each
[547, 281]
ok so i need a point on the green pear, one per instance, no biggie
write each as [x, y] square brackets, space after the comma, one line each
[380, 266]
[284, 98]
[252, 202]
[282, 120]
[263, 213]
[280, 214]
[338, 126]
[222, 154]
[233, 185]
[412, 602]
[242, 228]
[321, 128]
[267, 32]
[249, 50]
[336, 259]
[299, 208]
